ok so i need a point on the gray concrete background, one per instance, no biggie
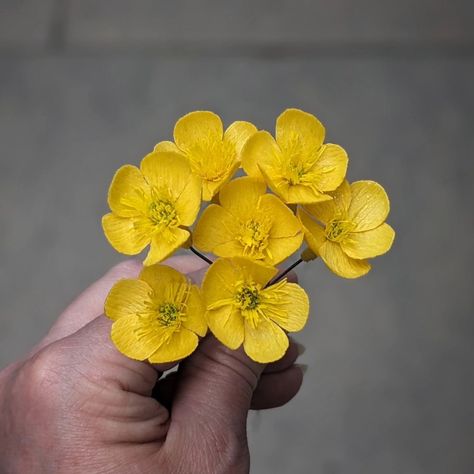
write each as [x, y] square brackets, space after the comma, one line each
[88, 85]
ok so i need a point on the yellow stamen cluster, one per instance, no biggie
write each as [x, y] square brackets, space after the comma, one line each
[254, 236]
[248, 297]
[337, 229]
[163, 213]
[169, 314]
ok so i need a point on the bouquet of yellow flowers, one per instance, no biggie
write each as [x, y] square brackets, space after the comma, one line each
[293, 190]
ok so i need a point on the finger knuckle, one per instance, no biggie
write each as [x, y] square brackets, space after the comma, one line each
[232, 451]
[42, 374]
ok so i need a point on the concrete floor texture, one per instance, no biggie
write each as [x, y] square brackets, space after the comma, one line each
[86, 86]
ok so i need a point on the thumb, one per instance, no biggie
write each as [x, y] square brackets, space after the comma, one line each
[215, 391]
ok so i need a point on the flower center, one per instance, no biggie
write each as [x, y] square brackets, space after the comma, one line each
[163, 213]
[298, 160]
[169, 314]
[212, 159]
[295, 172]
[337, 229]
[254, 237]
[248, 298]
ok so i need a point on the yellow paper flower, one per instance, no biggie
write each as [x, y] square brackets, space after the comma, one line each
[241, 310]
[248, 223]
[158, 316]
[151, 205]
[351, 227]
[297, 165]
[214, 155]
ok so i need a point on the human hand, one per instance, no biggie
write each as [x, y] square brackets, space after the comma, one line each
[76, 405]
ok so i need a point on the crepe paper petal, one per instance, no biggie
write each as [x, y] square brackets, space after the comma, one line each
[215, 227]
[313, 232]
[369, 205]
[337, 206]
[126, 181]
[213, 182]
[369, 244]
[227, 325]
[340, 263]
[284, 222]
[127, 297]
[241, 195]
[299, 132]
[196, 129]
[167, 146]
[331, 167]
[266, 342]
[181, 344]
[165, 169]
[195, 309]
[281, 248]
[255, 271]
[124, 235]
[302, 194]
[260, 148]
[238, 133]
[291, 312]
[135, 340]
[188, 201]
[162, 246]
[163, 280]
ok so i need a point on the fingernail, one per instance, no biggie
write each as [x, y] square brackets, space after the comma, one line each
[302, 367]
[300, 348]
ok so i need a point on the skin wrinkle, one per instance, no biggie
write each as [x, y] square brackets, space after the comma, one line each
[151, 430]
[138, 412]
[147, 381]
[225, 447]
[80, 405]
[231, 355]
[205, 405]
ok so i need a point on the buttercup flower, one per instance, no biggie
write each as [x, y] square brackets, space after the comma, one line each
[151, 205]
[158, 316]
[297, 166]
[242, 310]
[248, 223]
[350, 227]
[214, 155]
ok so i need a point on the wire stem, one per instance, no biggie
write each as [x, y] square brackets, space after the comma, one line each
[201, 256]
[285, 272]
